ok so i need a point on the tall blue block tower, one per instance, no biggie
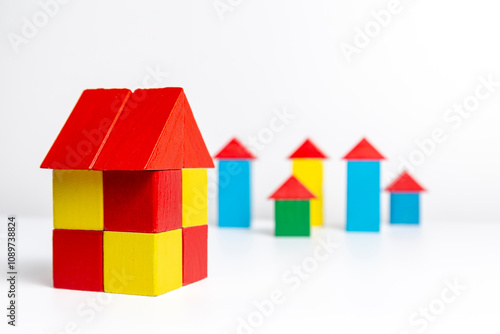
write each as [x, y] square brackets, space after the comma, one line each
[235, 203]
[363, 188]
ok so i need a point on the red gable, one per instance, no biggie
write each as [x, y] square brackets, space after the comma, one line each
[235, 150]
[292, 189]
[364, 151]
[405, 184]
[308, 150]
[114, 129]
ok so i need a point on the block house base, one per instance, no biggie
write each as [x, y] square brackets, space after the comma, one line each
[130, 232]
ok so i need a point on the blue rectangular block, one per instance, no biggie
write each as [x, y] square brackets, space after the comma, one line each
[363, 196]
[405, 208]
[234, 193]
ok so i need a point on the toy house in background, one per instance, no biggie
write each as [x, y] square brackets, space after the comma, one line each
[234, 185]
[292, 209]
[308, 169]
[130, 193]
[363, 188]
[405, 200]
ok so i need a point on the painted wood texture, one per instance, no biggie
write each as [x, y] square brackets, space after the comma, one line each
[147, 264]
[150, 129]
[142, 201]
[77, 199]
[194, 253]
[310, 173]
[292, 218]
[363, 196]
[196, 154]
[149, 133]
[194, 197]
[234, 193]
[86, 129]
[78, 260]
[405, 208]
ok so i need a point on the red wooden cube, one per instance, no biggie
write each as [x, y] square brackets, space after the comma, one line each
[142, 201]
[194, 253]
[78, 260]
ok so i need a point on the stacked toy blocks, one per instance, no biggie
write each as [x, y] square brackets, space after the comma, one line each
[363, 188]
[405, 200]
[308, 169]
[130, 193]
[292, 209]
[234, 171]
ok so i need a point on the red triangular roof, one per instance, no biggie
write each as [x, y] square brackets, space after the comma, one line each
[235, 150]
[114, 129]
[405, 184]
[308, 150]
[292, 189]
[364, 151]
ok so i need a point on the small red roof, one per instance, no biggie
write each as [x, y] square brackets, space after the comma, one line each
[308, 150]
[405, 184]
[364, 151]
[292, 189]
[115, 129]
[235, 150]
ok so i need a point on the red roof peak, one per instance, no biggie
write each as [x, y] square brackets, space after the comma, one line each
[292, 189]
[115, 129]
[364, 151]
[308, 150]
[235, 150]
[405, 184]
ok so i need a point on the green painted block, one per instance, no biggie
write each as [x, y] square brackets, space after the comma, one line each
[292, 219]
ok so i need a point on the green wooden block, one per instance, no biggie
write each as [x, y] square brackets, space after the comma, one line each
[292, 218]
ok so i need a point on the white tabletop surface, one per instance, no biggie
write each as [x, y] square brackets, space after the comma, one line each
[396, 281]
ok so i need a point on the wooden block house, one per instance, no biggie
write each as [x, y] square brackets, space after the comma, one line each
[308, 169]
[363, 188]
[130, 193]
[234, 189]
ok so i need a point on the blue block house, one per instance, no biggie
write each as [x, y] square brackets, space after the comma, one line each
[234, 185]
[405, 200]
[363, 188]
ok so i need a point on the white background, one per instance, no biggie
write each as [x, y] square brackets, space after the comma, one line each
[264, 56]
[267, 55]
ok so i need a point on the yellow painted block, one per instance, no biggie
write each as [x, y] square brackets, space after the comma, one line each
[194, 197]
[310, 173]
[146, 264]
[77, 197]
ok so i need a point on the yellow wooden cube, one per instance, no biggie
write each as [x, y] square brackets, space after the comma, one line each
[194, 197]
[310, 173]
[147, 264]
[77, 196]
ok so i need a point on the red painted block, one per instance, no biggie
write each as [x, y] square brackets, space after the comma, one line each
[309, 151]
[195, 151]
[234, 150]
[78, 260]
[364, 150]
[149, 134]
[142, 201]
[194, 253]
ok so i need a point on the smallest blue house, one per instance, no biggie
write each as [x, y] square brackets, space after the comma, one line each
[234, 185]
[405, 200]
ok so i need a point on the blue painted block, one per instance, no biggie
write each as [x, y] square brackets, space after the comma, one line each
[405, 208]
[363, 196]
[234, 193]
